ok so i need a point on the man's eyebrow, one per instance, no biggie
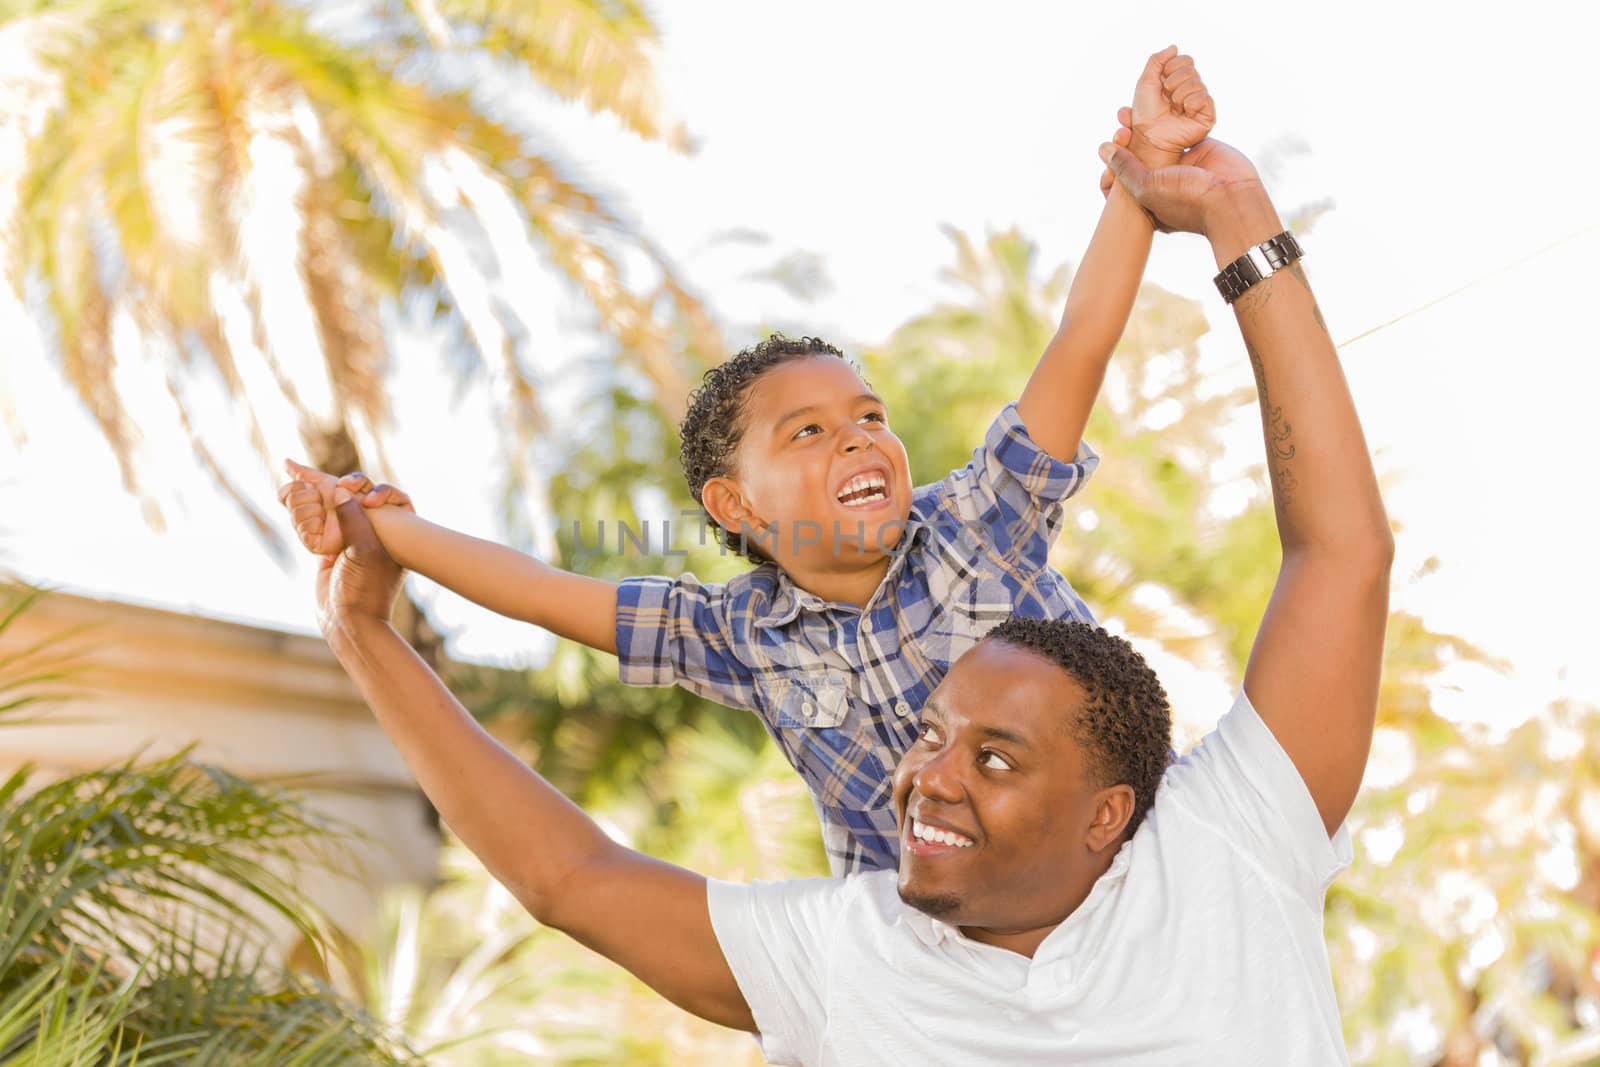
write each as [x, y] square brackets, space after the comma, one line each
[1001, 733]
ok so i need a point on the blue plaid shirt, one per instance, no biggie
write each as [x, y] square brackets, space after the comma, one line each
[840, 687]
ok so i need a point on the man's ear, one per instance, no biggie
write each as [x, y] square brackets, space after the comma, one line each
[725, 502]
[1113, 809]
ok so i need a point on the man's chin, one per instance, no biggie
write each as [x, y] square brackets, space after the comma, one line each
[934, 905]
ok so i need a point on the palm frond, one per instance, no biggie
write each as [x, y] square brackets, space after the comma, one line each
[228, 1008]
[154, 837]
[35, 673]
[596, 52]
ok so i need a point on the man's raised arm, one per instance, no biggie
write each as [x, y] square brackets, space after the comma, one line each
[648, 916]
[1313, 673]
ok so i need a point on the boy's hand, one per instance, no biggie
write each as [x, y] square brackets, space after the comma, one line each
[313, 497]
[1172, 109]
[1123, 137]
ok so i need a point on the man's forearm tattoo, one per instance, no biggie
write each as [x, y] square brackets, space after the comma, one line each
[1298, 274]
[1279, 433]
[1259, 296]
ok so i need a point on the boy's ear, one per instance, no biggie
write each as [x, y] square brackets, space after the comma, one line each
[725, 502]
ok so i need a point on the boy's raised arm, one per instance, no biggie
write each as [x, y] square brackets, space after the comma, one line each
[1172, 110]
[647, 916]
[501, 579]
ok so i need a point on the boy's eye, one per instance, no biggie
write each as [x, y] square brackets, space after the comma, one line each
[804, 431]
[992, 760]
[875, 416]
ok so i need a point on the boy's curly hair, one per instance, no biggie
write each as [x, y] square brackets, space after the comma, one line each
[1125, 726]
[710, 433]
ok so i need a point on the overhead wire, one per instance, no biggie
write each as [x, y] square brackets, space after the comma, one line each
[1536, 253]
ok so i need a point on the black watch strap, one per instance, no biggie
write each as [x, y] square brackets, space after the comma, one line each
[1262, 261]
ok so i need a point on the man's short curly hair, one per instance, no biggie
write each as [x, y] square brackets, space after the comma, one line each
[1125, 725]
[710, 433]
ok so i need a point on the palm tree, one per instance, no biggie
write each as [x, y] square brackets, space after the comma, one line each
[256, 186]
[134, 905]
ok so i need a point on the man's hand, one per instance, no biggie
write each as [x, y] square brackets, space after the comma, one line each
[1172, 108]
[360, 583]
[313, 495]
[1183, 197]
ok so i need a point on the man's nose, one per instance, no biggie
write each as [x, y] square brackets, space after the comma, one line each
[939, 778]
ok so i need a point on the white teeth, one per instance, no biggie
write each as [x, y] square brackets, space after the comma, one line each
[871, 486]
[942, 837]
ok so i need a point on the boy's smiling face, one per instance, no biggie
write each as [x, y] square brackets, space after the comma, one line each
[816, 461]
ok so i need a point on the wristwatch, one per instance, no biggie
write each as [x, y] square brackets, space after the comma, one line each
[1262, 261]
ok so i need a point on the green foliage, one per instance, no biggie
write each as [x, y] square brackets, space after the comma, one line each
[135, 907]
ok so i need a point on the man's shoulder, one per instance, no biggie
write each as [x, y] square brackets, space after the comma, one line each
[869, 899]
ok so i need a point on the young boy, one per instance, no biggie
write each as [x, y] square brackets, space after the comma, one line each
[867, 588]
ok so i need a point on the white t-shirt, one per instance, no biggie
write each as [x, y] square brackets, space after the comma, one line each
[1202, 944]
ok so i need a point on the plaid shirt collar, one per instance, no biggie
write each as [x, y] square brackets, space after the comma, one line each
[790, 599]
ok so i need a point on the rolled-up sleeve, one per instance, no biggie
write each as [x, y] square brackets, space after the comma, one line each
[1014, 490]
[678, 631]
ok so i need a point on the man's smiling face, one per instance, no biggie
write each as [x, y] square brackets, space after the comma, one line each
[1003, 825]
[818, 449]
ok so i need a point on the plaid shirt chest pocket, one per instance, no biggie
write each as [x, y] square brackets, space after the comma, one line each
[972, 609]
[828, 739]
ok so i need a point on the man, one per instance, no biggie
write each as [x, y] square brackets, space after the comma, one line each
[1052, 905]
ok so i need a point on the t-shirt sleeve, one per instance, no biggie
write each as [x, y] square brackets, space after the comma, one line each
[1012, 491]
[775, 937]
[1242, 782]
[678, 631]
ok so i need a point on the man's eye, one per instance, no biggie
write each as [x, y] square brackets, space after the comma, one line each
[929, 733]
[993, 761]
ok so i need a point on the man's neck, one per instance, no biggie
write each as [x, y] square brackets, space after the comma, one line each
[1022, 942]
[1025, 942]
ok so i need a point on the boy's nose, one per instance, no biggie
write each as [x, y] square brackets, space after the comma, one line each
[853, 438]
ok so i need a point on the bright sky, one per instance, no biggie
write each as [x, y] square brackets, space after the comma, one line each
[1454, 148]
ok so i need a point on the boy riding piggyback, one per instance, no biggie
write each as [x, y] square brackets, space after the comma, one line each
[865, 587]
